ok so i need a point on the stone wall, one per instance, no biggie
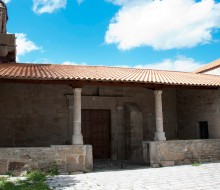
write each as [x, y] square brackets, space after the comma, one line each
[38, 115]
[193, 106]
[69, 158]
[33, 115]
[133, 132]
[117, 97]
[169, 153]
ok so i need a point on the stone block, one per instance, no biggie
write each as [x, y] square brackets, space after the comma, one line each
[186, 162]
[44, 165]
[81, 159]
[89, 158]
[167, 163]
[3, 166]
[155, 165]
[64, 151]
[172, 156]
[195, 150]
[73, 167]
[16, 166]
[72, 159]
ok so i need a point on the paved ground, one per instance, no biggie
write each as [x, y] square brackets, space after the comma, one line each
[203, 177]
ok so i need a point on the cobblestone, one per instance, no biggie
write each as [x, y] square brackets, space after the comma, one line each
[203, 177]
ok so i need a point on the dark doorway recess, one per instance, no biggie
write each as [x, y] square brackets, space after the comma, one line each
[96, 131]
[204, 130]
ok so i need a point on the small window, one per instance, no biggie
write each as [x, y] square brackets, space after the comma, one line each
[204, 130]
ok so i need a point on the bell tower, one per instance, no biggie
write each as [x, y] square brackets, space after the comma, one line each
[7, 41]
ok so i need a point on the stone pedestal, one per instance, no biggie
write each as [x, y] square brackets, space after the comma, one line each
[160, 136]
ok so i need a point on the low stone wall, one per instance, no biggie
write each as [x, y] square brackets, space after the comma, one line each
[70, 158]
[178, 152]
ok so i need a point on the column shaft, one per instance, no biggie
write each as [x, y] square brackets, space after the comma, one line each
[77, 138]
[159, 135]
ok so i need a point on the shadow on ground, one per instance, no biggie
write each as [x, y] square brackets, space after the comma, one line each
[62, 181]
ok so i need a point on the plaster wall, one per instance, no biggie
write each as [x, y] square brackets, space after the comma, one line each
[215, 71]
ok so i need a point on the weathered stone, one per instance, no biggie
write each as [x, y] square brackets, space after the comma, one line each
[16, 166]
[3, 166]
[171, 156]
[186, 161]
[73, 167]
[44, 165]
[172, 152]
[45, 118]
[89, 158]
[72, 159]
[81, 159]
[155, 165]
[167, 163]
[42, 158]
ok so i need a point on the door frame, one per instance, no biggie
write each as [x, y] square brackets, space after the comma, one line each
[102, 103]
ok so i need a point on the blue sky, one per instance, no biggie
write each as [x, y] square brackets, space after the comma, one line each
[167, 34]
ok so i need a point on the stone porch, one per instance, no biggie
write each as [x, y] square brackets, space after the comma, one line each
[41, 115]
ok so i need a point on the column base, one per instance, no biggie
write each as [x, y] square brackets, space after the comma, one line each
[77, 140]
[159, 136]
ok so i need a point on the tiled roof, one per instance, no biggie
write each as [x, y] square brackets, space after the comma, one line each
[208, 67]
[55, 72]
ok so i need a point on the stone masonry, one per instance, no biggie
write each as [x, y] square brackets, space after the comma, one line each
[169, 153]
[194, 106]
[69, 158]
[38, 115]
[33, 115]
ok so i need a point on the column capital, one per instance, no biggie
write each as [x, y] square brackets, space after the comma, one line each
[79, 90]
[158, 92]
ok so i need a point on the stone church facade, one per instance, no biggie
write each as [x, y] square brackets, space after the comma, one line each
[76, 114]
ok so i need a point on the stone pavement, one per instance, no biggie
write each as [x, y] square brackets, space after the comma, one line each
[203, 177]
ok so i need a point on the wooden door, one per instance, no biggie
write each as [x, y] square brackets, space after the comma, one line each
[96, 131]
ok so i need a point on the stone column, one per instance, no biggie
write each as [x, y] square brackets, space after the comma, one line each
[159, 135]
[77, 138]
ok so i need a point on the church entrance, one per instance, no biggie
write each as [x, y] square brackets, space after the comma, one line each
[96, 131]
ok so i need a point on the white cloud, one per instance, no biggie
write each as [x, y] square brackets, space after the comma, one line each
[119, 2]
[180, 63]
[163, 25]
[79, 1]
[48, 6]
[6, 1]
[24, 45]
[72, 63]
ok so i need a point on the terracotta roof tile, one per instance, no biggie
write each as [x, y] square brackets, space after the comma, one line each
[208, 67]
[100, 73]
